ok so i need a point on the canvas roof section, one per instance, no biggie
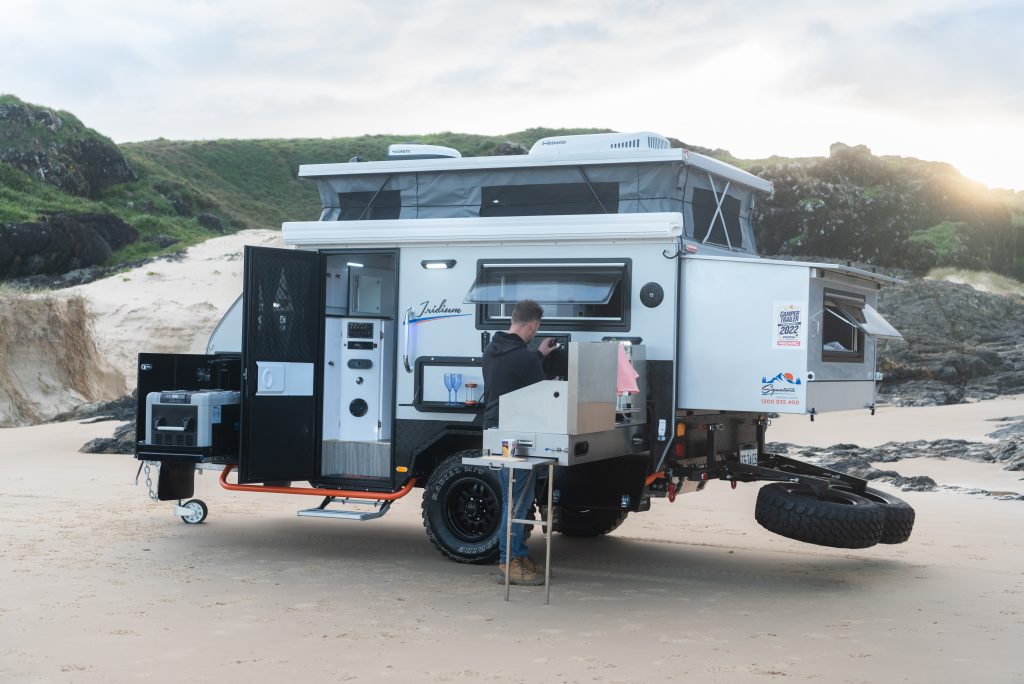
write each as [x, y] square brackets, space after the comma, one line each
[718, 168]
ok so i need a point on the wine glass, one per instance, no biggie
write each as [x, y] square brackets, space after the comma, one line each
[456, 384]
[448, 384]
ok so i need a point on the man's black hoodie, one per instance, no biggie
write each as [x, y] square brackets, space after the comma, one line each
[508, 365]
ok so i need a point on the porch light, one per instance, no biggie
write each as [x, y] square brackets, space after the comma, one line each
[437, 263]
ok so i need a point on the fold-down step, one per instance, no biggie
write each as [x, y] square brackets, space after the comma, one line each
[376, 509]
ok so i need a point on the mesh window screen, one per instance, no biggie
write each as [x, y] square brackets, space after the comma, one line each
[387, 205]
[284, 310]
[704, 208]
[548, 199]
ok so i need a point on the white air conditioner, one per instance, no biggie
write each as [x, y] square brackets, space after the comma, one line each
[601, 142]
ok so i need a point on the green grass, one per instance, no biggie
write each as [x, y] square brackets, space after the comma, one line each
[944, 239]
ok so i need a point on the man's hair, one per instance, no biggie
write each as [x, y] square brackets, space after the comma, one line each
[527, 311]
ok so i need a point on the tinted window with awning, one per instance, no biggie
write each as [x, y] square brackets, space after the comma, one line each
[570, 292]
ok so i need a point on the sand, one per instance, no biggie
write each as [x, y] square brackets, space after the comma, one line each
[169, 306]
[897, 424]
[101, 584]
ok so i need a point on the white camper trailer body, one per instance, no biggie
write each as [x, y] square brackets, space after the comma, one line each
[341, 346]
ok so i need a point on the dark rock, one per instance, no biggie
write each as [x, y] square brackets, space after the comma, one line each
[918, 483]
[60, 243]
[123, 442]
[163, 241]
[124, 408]
[57, 149]
[180, 200]
[959, 344]
[211, 222]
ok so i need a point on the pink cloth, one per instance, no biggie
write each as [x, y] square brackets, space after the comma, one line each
[626, 375]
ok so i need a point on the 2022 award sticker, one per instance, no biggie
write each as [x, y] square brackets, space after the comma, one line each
[789, 326]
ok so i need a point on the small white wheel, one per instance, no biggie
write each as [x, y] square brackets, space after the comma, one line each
[198, 512]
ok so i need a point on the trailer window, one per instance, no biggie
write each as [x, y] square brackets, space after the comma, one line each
[387, 205]
[718, 229]
[549, 199]
[842, 337]
[574, 295]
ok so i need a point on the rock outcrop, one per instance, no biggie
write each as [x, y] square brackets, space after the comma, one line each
[959, 344]
[60, 243]
[57, 149]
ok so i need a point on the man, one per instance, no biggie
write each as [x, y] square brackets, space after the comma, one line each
[509, 365]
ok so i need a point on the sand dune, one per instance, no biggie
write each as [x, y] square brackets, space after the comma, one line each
[169, 306]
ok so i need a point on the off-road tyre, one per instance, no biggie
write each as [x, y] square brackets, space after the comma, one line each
[462, 508]
[899, 516]
[587, 522]
[839, 519]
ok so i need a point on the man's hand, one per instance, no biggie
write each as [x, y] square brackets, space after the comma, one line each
[547, 345]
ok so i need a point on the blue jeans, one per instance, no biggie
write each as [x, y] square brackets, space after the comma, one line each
[522, 496]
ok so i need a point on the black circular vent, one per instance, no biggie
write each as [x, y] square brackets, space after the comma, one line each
[358, 408]
[651, 295]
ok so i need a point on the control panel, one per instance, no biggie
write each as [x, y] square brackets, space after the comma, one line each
[352, 379]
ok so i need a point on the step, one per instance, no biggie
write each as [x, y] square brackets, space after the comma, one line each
[343, 514]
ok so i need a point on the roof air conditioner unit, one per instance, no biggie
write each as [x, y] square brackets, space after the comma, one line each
[601, 143]
[417, 151]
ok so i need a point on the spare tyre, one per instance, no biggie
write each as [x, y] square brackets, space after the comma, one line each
[839, 518]
[899, 516]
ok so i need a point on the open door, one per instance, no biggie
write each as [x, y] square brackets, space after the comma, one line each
[282, 318]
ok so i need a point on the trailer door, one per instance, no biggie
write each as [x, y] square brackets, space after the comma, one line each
[282, 317]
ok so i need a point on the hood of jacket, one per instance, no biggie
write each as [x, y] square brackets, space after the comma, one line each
[502, 343]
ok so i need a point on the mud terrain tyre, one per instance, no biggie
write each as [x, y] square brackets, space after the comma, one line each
[462, 510]
[587, 522]
[840, 519]
[899, 516]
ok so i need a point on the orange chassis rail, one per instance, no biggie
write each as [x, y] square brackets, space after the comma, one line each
[311, 491]
[653, 477]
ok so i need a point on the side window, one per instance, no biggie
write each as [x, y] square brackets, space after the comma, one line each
[357, 206]
[847, 321]
[549, 199]
[842, 333]
[576, 295]
[721, 229]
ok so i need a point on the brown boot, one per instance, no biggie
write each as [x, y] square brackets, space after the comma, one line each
[535, 566]
[519, 573]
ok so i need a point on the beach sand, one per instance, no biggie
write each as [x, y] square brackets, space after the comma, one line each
[103, 585]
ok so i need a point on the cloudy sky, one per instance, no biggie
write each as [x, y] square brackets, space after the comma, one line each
[935, 79]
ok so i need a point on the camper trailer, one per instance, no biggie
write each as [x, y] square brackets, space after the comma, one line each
[350, 368]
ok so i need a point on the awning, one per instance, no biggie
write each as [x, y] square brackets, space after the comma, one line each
[862, 316]
[504, 283]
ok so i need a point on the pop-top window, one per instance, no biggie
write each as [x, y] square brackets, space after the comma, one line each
[549, 199]
[370, 206]
[846, 320]
[713, 227]
[574, 294]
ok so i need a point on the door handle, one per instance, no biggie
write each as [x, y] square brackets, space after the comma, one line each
[405, 349]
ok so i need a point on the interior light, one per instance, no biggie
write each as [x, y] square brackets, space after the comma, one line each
[354, 264]
[437, 263]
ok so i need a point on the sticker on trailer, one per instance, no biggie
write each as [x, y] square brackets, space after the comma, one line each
[789, 326]
[782, 390]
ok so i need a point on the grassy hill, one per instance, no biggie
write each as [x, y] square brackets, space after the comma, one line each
[894, 211]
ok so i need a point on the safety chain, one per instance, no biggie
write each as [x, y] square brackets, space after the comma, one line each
[149, 481]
